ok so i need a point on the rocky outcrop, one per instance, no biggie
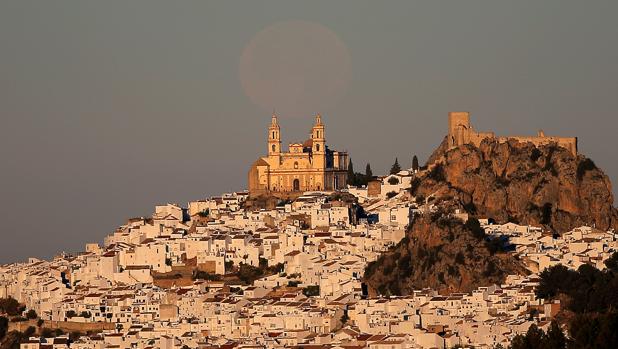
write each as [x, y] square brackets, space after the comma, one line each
[442, 253]
[438, 152]
[506, 181]
[521, 183]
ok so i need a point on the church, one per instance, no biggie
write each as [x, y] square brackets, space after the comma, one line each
[307, 166]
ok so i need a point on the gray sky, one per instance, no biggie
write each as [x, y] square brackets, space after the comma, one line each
[110, 107]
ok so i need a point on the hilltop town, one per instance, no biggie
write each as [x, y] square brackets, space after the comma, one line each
[227, 272]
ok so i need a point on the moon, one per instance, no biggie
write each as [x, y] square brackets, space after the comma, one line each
[295, 67]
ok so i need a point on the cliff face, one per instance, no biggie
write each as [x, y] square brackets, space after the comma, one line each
[521, 183]
[509, 182]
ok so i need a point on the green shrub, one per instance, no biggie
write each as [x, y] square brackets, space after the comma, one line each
[474, 227]
[204, 275]
[460, 259]
[437, 173]
[312, 291]
[4, 325]
[535, 154]
[390, 194]
[10, 306]
[416, 183]
[585, 166]
[29, 332]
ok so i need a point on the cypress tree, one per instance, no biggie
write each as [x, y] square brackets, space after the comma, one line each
[396, 168]
[368, 172]
[415, 163]
[351, 174]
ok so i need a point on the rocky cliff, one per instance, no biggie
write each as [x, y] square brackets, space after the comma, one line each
[443, 253]
[508, 182]
[521, 183]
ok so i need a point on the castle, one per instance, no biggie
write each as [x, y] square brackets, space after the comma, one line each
[461, 132]
[306, 166]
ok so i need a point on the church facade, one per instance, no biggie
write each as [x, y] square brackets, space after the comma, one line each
[307, 166]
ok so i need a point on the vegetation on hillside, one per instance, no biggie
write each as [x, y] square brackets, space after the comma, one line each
[591, 298]
[248, 273]
[441, 252]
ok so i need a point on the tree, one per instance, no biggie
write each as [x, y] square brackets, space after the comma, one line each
[31, 314]
[9, 305]
[351, 174]
[4, 326]
[47, 332]
[29, 332]
[368, 172]
[204, 275]
[415, 163]
[311, 291]
[612, 262]
[71, 313]
[555, 338]
[75, 335]
[229, 266]
[532, 340]
[248, 273]
[395, 168]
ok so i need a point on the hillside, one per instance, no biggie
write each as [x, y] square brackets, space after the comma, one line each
[441, 253]
[508, 182]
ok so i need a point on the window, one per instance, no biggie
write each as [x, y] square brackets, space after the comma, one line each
[273, 147]
[295, 164]
[317, 147]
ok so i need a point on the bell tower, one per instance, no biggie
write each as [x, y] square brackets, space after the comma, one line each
[274, 137]
[319, 143]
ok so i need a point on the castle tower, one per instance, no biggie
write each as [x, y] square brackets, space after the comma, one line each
[319, 143]
[458, 128]
[274, 137]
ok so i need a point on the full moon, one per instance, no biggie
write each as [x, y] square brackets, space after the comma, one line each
[295, 67]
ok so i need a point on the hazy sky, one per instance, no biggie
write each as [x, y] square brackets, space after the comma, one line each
[110, 107]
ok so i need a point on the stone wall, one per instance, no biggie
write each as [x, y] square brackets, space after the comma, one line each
[461, 132]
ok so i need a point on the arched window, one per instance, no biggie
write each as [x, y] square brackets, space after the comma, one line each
[295, 164]
[318, 134]
[317, 147]
[273, 134]
[273, 147]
